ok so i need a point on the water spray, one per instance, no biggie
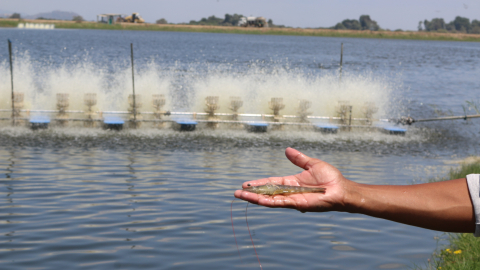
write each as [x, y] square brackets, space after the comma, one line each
[158, 101]
[344, 111]
[90, 100]
[235, 104]
[303, 112]
[62, 106]
[211, 105]
[135, 102]
[276, 104]
[134, 106]
[17, 107]
[306, 114]
[369, 109]
[211, 118]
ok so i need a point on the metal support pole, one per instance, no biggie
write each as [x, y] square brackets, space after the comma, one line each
[11, 79]
[133, 86]
[350, 120]
[341, 62]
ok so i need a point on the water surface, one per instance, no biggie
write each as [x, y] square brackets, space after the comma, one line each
[82, 198]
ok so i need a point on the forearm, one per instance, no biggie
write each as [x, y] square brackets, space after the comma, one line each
[443, 206]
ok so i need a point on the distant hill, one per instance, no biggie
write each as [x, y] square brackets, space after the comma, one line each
[57, 15]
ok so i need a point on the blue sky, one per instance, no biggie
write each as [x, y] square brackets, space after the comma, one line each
[297, 13]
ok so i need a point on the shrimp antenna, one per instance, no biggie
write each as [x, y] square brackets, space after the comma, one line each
[231, 218]
[246, 220]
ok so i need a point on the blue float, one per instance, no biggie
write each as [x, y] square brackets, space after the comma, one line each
[394, 130]
[113, 123]
[39, 122]
[184, 125]
[391, 129]
[257, 127]
[326, 128]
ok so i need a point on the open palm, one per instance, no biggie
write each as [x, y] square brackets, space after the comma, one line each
[317, 174]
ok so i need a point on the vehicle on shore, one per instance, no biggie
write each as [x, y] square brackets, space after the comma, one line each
[253, 22]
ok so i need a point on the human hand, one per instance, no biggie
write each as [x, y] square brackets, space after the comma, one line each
[317, 174]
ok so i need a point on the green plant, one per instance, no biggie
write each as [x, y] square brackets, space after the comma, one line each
[464, 249]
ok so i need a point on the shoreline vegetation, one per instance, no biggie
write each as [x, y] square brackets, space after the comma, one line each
[316, 32]
[464, 249]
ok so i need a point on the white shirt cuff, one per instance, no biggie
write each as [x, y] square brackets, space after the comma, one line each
[473, 181]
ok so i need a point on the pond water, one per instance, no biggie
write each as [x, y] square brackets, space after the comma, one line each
[82, 198]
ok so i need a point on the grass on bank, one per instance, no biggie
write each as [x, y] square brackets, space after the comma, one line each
[8, 23]
[253, 31]
[464, 249]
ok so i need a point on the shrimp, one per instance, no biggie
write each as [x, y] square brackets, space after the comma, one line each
[272, 190]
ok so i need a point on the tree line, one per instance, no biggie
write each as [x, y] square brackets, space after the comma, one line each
[229, 20]
[458, 25]
[364, 23]
[15, 15]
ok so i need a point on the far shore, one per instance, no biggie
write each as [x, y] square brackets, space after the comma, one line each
[414, 35]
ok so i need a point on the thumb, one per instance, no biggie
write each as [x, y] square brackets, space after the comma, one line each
[301, 160]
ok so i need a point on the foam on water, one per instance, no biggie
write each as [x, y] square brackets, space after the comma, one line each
[41, 84]
[186, 89]
[416, 142]
[24, 82]
[257, 88]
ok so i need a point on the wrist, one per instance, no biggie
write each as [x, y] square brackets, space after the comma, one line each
[352, 198]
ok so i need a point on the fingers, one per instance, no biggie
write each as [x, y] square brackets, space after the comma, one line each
[246, 196]
[301, 160]
[268, 201]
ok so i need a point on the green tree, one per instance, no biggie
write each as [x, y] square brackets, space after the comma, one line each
[434, 25]
[348, 24]
[228, 19]
[368, 24]
[475, 27]
[15, 16]
[162, 21]
[450, 27]
[475, 23]
[78, 19]
[270, 23]
[339, 26]
[462, 24]
[231, 20]
[212, 20]
[351, 24]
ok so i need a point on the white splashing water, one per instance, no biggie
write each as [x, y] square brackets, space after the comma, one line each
[185, 90]
[324, 91]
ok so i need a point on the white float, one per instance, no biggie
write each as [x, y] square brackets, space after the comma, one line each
[36, 26]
